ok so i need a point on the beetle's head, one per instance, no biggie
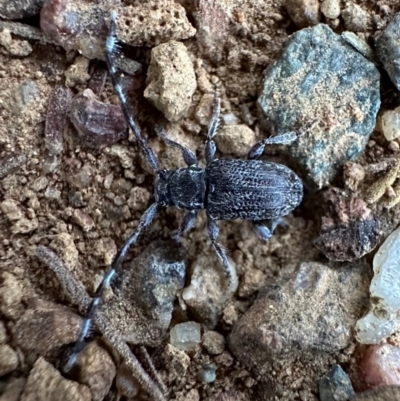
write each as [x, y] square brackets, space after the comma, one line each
[162, 192]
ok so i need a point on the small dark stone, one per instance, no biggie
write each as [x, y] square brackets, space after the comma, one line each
[328, 93]
[19, 9]
[388, 49]
[142, 309]
[99, 124]
[59, 106]
[349, 230]
[335, 385]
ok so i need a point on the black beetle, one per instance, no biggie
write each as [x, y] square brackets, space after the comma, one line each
[226, 189]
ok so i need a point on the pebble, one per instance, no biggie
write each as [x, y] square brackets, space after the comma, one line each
[177, 361]
[10, 163]
[24, 94]
[335, 385]
[208, 373]
[390, 123]
[83, 220]
[213, 342]
[329, 94]
[64, 245]
[207, 293]
[143, 305]
[171, 80]
[97, 370]
[98, 124]
[56, 119]
[19, 9]
[25, 226]
[46, 383]
[355, 18]
[152, 23]
[45, 327]
[12, 46]
[382, 320]
[330, 8]
[235, 139]
[185, 336]
[378, 365]
[387, 49]
[11, 210]
[78, 72]
[384, 393]
[52, 193]
[8, 360]
[139, 198]
[204, 109]
[302, 316]
[303, 12]
[349, 229]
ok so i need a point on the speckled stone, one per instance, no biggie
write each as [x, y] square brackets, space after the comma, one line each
[328, 93]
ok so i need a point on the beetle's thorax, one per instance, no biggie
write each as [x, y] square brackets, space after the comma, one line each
[184, 188]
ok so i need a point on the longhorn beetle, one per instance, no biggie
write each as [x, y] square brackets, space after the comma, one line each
[226, 189]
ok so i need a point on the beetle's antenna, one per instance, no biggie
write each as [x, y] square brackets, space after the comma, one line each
[111, 50]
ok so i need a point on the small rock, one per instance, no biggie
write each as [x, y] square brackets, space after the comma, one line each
[142, 307]
[328, 93]
[24, 94]
[303, 12]
[185, 336]
[235, 139]
[45, 327]
[378, 366]
[46, 384]
[83, 220]
[99, 124]
[387, 48]
[171, 79]
[353, 174]
[52, 193]
[64, 245]
[177, 361]
[390, 122]
[355, 18]
[8, 360]
[19, 9]
[349, 230]
[10, 163]
[77, 73]
[139, 198]
[213, 342]
[56, 118]
[40, 183]
[11, 210]
[330, 8]
[97, 370]
[301, 316]
[204, 109]
[382, 320]
[14, 47]
[207, 293]
[335, 385]
[384, 393]
[153, 22]
[11, 292]
[124, 155]
[208, 373]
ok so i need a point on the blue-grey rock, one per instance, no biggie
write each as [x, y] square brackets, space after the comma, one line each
[388, 49]
[328, 93]
[335, 385]
[146, 291]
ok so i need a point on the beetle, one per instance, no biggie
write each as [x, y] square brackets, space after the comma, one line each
[226, 189]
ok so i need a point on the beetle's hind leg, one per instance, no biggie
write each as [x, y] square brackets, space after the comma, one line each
[284, 139]
[265, 233]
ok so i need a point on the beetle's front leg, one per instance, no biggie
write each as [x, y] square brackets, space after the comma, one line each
[284, 139]
[187, 223]
[212, 130]
[230, 270]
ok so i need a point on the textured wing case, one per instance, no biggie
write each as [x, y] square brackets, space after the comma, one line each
[251, 190]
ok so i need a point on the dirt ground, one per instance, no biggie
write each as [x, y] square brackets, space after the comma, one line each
[43, 194]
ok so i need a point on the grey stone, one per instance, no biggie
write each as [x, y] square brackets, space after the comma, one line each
[207, 373]
[185, 336]
[388, 49]
[328, 93]
[311, 314]
[145, 293]
[335, 385]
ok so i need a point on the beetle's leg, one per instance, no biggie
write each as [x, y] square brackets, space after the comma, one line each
[230, 270]
[264, 232]
[111, 50]
[144, 221]
[212, 130]
[188, 156]
[187, 223]
[284, 139]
